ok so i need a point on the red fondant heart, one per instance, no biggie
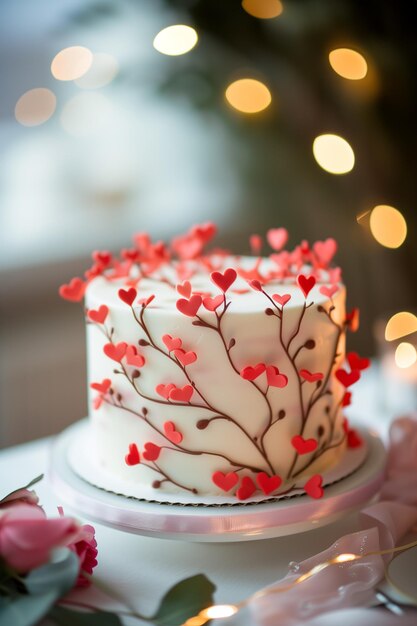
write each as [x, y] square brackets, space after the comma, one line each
[172, 434]
[172, 343]
[130, 254]
[352, 320]
[303, 446]
[133, 358]
[151, 451]
[145, 301]
[189, 307]
[99, 315]
[313, 486]
[102, 257]
[325, 250]
[225, 280]
[211, 304]
[329, 291]
[128, 295]
[205, 232]
[347, 398]
[181, 394]
[268, 484]
[353, 439]
[282, 300]
[277, 238]
[164, 390]
[347, 378]
[102, 387]
[356, 362]
[275, 378]
[97, 402]
[185, 358]
[185, 289]
[256, 284]
[311, 377]
[225, 481]
[133, 457]
[74, 291]
[250, 373]
[306, 283]
[247, 488]
[115, 351]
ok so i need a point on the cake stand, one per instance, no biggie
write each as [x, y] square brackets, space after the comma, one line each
[239, 522]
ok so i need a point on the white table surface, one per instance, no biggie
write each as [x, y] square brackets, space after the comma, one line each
[141, 569]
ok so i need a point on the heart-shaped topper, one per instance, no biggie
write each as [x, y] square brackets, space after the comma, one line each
[226, 482]
[311, 377]
[103, 258]
[275, 378]
[184, 289]
[347, 378]
[325, 250]
[277, 238]
[102, 387]
[172, 343]
[268, 484]
[189, 307]
[313, 486]
[356, 362]
[247, 488]
[282, 300]
[255, 242]
[172, 433]
[128, 295]
[225, 280]
[99, 315]
[306, 283]
[115, 351]
[211, 304]
[133, 456]
[304, 446]
[74, 291]
[329, 291]
[151, 451]
[133, 357]
[250, 373]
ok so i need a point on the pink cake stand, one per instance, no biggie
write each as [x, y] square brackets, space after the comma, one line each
[240, 522]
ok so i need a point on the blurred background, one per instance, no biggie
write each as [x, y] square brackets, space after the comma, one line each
[118, 116]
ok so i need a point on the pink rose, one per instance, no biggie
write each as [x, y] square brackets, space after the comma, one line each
[27, 537]
[86, 550]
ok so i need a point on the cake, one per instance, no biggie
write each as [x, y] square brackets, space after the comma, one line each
[217, 375]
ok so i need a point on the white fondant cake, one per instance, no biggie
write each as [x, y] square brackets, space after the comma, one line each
[218, 374]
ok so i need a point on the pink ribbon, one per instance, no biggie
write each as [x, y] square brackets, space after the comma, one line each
[352, 584]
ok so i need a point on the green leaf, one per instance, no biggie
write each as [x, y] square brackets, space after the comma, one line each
[30, 484]
[59, 575]
[25, 610]
[186, 599]
[67, 617]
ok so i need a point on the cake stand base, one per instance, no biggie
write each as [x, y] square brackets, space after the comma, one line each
[215, 524]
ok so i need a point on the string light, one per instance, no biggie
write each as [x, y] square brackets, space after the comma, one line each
[334, 154]
[35, 107]
[71, 63]
[248, 95]
[102, 71]
[400, 325]
[175, 40]
[388, 226]
[348, 63]
[405, 355]
[263, 9]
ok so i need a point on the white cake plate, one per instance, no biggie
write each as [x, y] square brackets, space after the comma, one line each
[240, 522]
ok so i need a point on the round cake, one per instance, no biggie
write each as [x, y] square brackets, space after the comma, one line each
[212, 374]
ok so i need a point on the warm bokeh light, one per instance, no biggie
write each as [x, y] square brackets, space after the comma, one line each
[219, 610]
[175, 40]
[102, 71]
[405, 355]
[334, 154]
[348, 63]
[388, 226]
[344, 558]
[263, 9]
[71, 63]
[196, 621]
[35, 107]
[87, 114]
[400, 325]
[248, 95]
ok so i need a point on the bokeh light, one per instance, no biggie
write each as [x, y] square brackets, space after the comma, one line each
[348, 63]
[334, 154]
[405, 355]
[102, 71]
[87, 114]
[400, 325]
[388, 226]
[35, 107]
[175, 40]
[219, 610]
[263, 9]
[71, 63]
[248, 95]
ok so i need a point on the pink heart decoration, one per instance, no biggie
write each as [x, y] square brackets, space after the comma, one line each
[211, 304]
[133, 358]
[325, 250]
[329, 291]
[225, 280]
[309, 377]
[356, 362]
[247, 488]
[102, 387]
[133, 457]
[306, 283]
[313, 486]
[250, 373]
[172, 434]
[205, 231]
[347, 378]
[172, 343]
[102, 257]
[277, 238]
[185, 358]
[189, 307]
[181, 394]
[255, 242]
[185, 289]
[115, 351]
[347, 398]
[74, 291]
[352, 320]
[151, 451]
[128, 295]
[282, 300]
[164, 390]
[226, 482]
[303, 446]
[99, 315]
[268, 484]
[275, 378]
